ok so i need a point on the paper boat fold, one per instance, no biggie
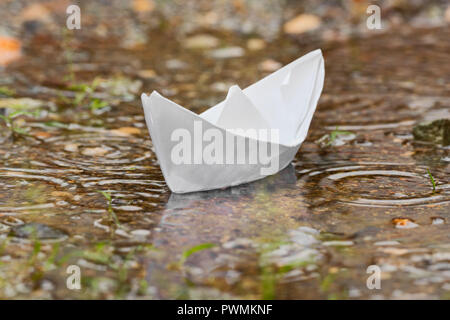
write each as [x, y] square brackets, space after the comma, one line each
[273, 115]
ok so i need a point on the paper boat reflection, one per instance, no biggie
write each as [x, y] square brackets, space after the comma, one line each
[272, 115]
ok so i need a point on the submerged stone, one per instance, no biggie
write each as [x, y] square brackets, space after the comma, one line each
[35, 230]
[437, 131]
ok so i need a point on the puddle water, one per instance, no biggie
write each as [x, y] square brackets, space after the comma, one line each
[308, 232]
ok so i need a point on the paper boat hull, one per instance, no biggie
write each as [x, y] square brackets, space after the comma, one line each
[284, 101]
[163, 117]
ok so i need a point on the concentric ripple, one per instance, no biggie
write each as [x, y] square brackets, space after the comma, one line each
[380, 185]
[115, 152]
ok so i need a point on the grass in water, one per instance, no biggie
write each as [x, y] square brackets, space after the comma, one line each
[111, 212]
[329, 138]
[84, 95]
[10, 122]
[187, 253]
[433, 182]
[334, 134]
[5, 91]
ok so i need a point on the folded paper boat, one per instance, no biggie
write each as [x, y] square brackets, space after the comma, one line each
[253, 133]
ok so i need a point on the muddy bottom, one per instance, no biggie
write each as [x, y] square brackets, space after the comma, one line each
[80, 184]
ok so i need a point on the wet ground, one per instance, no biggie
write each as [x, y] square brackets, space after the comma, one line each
[80, 183]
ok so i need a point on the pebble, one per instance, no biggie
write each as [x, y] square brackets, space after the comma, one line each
[238, 243]
[387, 243]
[147, 74]
[9, 50]
[302, 238]
[121, 232]
[404, 223]
[128, 208]
[12, 221]
[304, 255]
[201, 41]
[269, 65]
[255, 44]
[71, 147]
[221, 86]
[94, 152]
[338, 243]
[437, 220]
[227, 53]
[37, 230]
[126, 131]
[21, 103]
[140, 233]
[143, 5]
[175, 64]
[394, 251]
[302, 23]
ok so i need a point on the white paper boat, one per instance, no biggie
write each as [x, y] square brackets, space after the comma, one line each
[252, 133]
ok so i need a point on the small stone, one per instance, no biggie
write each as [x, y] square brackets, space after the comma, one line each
[309, 230]
[121, 232]
[302, 23]
[147, 74]
[394, 251]
[12, 221]
[270, 65]
[386, 243]
[227, 53]
[404, 223]
[71, 147]
[302, 238]
[141, 233]
[35, 12]
[43, 135]
[9, 50]
[126, 131]
[61, 194]
[128, 208]
[437, 220]
[94, 152]
[354, 293]
[143, 5]
[386, 267]
[47, 285]
[255, 44]
[201, 41]
[175, 64]
[305, 255]
[35, 230]
[20, 103]
[338, 243]
[238, 243]
[221, 86]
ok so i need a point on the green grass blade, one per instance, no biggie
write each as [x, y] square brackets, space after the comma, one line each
[433, 182]
[187, 253]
